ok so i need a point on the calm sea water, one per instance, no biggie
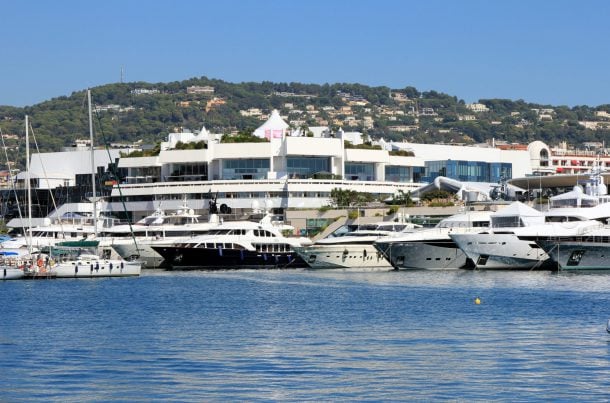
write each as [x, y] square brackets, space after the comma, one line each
[300, 335]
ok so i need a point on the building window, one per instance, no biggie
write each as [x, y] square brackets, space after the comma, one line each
[359, 171]
[306, 167]
[256, 168]
[189, 172]
[468, 171]
[395, 173]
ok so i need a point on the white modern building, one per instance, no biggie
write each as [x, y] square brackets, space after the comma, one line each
[289, 170]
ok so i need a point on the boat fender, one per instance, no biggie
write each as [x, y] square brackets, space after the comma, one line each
[91, 267]
[364, 253]
[110, 267]
[39, 262]
[97, 266]
[121, 265]
[5, 272]
[75, 270]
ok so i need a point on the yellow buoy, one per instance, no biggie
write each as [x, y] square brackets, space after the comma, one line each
[477, 301]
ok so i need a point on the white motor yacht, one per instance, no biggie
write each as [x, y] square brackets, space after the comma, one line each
[511, 242]
[156, 229]
[588, 251]
[432, 248]
[353, 249]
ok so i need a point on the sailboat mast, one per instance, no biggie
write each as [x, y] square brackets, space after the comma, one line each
[28, 180]
[92, 164]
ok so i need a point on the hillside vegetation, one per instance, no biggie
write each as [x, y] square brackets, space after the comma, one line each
[129, 112]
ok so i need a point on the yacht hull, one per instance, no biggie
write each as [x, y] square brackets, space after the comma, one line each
[424, 255]
[89, 269]
[500, 252]
[180, 258]
[579, 256]
[11, 273]
[149, 258]
[344, 257]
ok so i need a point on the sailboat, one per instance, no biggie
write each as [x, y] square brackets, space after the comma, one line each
[11, 265]
[75, 259]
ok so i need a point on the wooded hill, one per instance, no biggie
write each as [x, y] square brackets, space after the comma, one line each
[128, 112]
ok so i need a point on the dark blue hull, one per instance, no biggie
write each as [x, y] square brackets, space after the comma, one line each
[179, 258]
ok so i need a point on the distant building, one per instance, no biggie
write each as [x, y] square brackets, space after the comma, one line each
[144, 91]
[477, 107]
[196, 89]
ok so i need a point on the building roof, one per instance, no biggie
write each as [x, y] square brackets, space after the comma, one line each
[552, 181]
[274, 127]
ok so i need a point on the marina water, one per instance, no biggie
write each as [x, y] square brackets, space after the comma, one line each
[302, 335]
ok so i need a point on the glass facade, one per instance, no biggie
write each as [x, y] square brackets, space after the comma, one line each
[468, 171]
[305, 167]
[256, 168]
[396, 173]
[359, 171]
[184, 172]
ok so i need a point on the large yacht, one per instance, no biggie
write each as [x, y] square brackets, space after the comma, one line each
[353, 249]
[236, 244]
[510, 243]
[432, 248]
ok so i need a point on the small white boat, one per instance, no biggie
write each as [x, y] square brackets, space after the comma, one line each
[77, 260]
[10, 267]
[93, 266]
[11, 273]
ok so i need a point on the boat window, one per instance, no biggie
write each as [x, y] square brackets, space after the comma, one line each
[504, 222]
[268, 234]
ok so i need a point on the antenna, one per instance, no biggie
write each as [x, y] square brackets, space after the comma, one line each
[122, 74]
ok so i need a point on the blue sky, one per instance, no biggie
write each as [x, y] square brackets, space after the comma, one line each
[551, 52]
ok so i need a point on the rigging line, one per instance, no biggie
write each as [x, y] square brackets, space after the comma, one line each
[10, 178]
[113, 171]
[44, 171]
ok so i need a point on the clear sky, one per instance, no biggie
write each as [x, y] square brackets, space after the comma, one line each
[552, 52]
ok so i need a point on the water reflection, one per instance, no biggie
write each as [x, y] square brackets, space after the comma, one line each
[304, 335]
